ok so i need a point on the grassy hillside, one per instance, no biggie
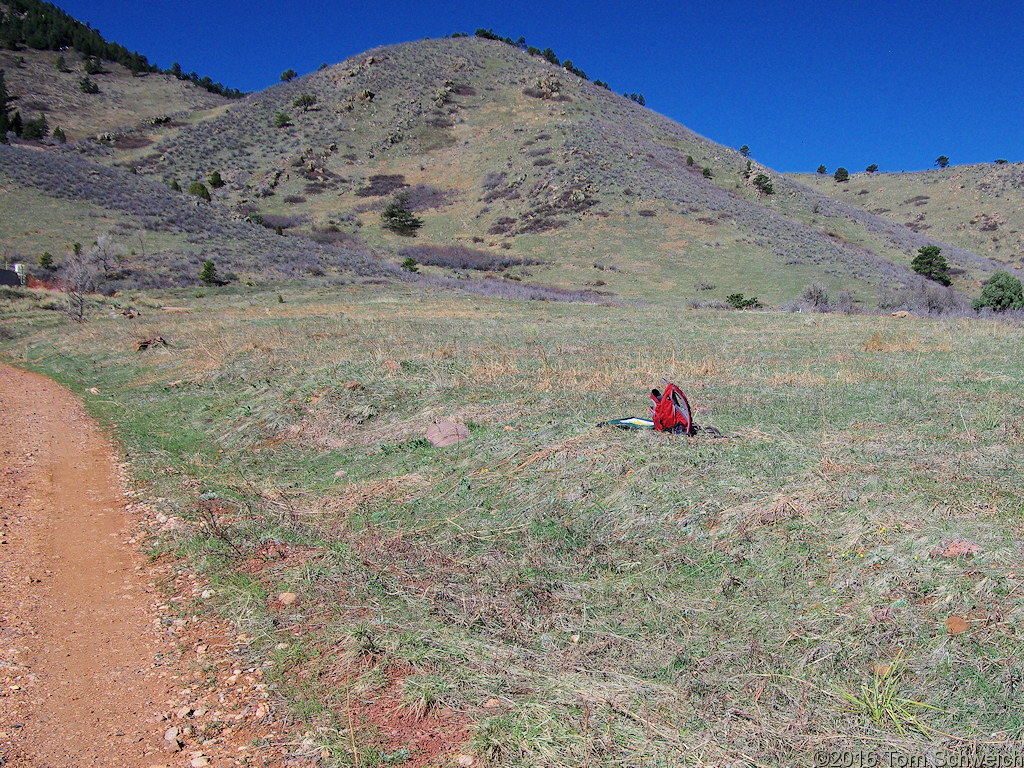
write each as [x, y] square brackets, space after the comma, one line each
[520, 171]
[124, 100]
[979, 208]
[50, 200]
[554, 593]
[504, 152]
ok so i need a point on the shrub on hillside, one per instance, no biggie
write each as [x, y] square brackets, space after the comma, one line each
[816, 296]
[461, 257]
[35, 130]
[739, 301]
[764, 184]
[305, 102]
[381, 185]
[199, 189]
[1001, 292]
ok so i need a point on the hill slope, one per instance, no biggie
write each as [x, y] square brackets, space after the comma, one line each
[124, 100]
[509, 152]
[976, 207]
[517, 168]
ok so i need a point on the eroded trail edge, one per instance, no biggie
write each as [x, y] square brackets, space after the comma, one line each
[96, 666]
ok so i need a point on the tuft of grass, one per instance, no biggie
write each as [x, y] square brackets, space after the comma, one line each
[879, 699]
[422, 693]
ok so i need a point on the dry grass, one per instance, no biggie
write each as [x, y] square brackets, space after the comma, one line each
[619, 594]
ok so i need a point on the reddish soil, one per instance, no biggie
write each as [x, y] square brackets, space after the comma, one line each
[97, 658]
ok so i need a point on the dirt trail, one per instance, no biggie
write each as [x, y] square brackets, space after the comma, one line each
[88, 674]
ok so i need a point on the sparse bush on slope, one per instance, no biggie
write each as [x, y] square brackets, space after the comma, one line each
[237, 246]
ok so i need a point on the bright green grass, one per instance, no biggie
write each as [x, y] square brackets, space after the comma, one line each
[633, 598]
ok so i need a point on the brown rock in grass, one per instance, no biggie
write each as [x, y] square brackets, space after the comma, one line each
[442, 433]
[956, 625]
[953, 548]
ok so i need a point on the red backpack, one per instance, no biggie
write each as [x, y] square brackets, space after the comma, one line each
[671, 411]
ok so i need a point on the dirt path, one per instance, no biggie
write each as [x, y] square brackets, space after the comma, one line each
[92, 664]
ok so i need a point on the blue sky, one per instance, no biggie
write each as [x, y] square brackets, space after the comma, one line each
[802, 83]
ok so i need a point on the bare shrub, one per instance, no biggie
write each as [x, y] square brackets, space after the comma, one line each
[541, 224]
[507, 289]
[80, 274]
[707, 304]
[381, 185]
[423, 197]
[502, 226]
[816, 296]
[926, 298]
[284, 221]
[460, 257]
[493, 180]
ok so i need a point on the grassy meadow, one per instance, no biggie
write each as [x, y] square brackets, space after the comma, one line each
[550, 592]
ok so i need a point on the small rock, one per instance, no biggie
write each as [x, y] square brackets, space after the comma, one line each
[466, 760]
[953, 548]
[199, 761]
[171, 734]
[443, 433]
[492, 703]
[287, 598]
[956, 625]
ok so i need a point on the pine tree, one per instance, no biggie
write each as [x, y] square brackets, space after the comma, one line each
[208, 274]
[398, 218]
[930, 263]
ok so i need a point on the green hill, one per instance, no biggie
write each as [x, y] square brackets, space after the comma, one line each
[123, 100]
[975, 207]
[518, 168]
[503, 151]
